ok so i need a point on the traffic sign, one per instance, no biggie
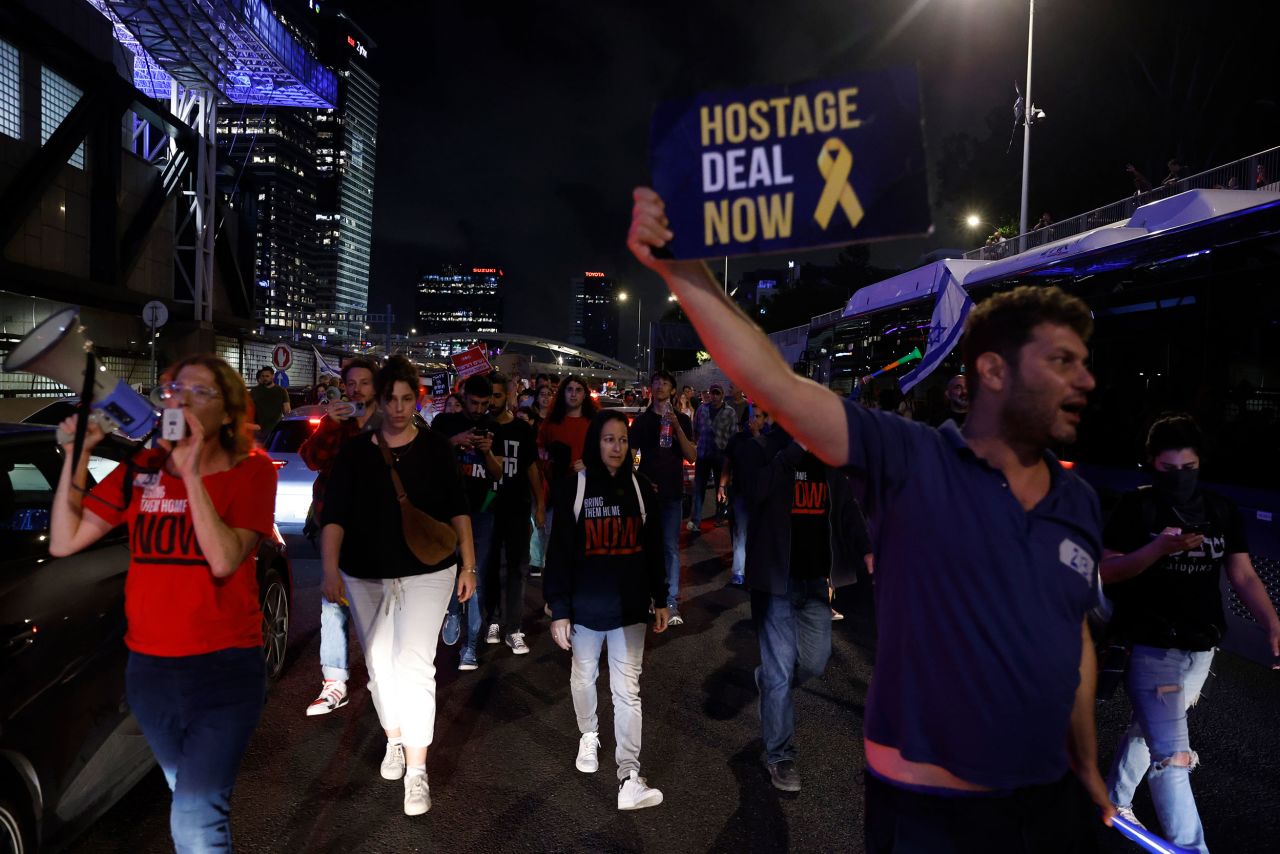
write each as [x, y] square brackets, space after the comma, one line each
[282, 379]
[282, 357]
[155, 314]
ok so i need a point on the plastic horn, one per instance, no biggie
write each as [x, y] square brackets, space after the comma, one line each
[1147, 840]
[897, 363]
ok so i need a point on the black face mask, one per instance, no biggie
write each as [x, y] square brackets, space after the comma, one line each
[1178, 486]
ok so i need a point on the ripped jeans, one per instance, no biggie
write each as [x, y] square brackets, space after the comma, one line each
[1162, 684]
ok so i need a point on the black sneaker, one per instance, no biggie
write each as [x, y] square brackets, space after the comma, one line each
[783, 776]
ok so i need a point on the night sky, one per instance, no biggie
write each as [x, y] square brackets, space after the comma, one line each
[511, 134]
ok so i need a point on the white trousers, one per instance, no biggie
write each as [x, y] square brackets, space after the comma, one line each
[398, 622]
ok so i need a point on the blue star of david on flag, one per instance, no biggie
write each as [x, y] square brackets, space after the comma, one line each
[949, 314]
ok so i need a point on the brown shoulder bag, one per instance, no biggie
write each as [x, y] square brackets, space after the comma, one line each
[430, 540]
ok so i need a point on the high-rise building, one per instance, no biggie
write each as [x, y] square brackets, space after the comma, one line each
[595, 313]
[347, 140]
[317, 166]
[462, 299]
[274, 149]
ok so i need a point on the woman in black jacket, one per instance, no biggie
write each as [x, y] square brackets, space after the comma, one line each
[604, 572]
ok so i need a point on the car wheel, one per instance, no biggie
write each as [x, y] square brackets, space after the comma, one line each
[15, 834]
[275, 622]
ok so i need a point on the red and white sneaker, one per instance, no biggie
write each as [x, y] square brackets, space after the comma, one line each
[333, 695]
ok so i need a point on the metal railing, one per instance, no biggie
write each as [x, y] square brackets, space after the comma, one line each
[1255, 172]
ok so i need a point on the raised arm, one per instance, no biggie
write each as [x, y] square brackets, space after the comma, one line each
[70, 530]
[811, 413]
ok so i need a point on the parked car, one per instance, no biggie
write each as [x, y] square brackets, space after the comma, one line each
[69, 746]
[294, 479]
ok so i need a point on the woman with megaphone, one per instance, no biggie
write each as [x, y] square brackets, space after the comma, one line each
[196, 509]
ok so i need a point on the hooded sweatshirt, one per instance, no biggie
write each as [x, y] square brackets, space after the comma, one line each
[604, 565]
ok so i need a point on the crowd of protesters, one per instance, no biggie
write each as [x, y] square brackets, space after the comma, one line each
[987, 555]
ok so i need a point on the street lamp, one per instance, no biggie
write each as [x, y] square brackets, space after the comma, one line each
[1027, 111]
[622, 297]
[973, 220]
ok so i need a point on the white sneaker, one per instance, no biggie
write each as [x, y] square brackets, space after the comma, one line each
[690, 526]
[494, 635]
[333, 695]
[393, 762]
[588, 761]
[1126, 813]
[417, 795]
[634, 794]
[515, 640]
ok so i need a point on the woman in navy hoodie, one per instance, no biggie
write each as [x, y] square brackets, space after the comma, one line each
[604, 573]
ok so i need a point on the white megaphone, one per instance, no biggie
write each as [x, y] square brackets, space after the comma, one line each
[59, 350]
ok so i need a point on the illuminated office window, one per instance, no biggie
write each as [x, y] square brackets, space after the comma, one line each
[10, 91]
[57, 98]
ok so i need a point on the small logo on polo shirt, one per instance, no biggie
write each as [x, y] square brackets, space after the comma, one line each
[1075, 557]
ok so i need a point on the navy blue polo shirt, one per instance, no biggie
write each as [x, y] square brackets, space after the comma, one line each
[978, 603]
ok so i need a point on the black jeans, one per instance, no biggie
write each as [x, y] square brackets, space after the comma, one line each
[504, 570]
[198, 713]
[1054, 818]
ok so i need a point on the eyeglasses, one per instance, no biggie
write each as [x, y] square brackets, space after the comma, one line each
[200, 393]
[717, 393]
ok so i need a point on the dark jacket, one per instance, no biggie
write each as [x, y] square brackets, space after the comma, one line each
[604, 578]
[767, 479]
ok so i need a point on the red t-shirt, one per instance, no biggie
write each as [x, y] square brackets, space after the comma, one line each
[571, 433]
[174, 605]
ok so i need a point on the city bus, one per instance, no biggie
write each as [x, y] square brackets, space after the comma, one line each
[1186, 302]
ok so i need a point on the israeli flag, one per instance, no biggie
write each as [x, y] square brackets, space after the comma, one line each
[323, 367]
[949, 312]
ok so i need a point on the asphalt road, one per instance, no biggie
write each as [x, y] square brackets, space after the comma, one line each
[502, 774]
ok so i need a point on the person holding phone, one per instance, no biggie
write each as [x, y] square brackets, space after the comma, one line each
[397, 601]
[1164, 549]
[604, 570]
[471, 434]
[196, 509]
[343, 421]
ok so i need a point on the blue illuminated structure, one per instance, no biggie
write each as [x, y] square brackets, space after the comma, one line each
[236, 48]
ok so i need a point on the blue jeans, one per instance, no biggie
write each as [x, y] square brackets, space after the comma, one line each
[1162, 685]
[671, 510]
[706, 469]
[739, 535]
[198, 713]
[333, 640]
[482, 536]
[795, 643]
[538, 541]
[626, 660]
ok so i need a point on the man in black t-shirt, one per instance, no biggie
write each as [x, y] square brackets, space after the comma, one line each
[471, 433]
[1164, 549]
[664, 439]
[746, 443]
[519, 493]
[804, 530]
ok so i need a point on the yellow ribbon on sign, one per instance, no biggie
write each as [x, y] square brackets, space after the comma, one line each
[835, 162]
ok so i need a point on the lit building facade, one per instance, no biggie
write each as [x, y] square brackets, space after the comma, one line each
[346, 149]
[595, 313]
[460, 299]
[274, 151]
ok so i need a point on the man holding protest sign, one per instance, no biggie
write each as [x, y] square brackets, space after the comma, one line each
[984, 688]
[983, 696]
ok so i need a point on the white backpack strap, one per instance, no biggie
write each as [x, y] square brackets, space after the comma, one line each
[639, 497]
[582, 493]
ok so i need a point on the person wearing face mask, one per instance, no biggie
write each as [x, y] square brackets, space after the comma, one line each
[1164, 548]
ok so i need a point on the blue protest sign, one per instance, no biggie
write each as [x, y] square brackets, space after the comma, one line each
[812, 164]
